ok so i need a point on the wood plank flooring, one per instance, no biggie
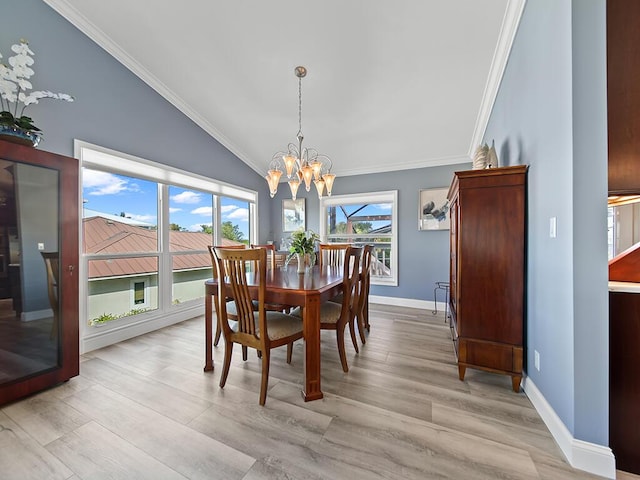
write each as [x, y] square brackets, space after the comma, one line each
[144, 409]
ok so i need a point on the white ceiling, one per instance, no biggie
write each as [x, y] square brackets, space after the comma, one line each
[391, 84]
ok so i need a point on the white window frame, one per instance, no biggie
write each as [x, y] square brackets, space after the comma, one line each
[100, 158]
[390, 196]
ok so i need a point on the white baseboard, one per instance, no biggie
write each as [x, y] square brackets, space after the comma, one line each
[590, 457]
[36, 315]
[406, 302]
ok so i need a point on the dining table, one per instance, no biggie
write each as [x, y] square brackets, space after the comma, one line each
[284, 285]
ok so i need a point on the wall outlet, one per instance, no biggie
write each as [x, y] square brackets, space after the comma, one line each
[536, 359]
[553, 225]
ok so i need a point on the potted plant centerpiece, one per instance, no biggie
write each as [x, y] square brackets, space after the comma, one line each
[303, 245]
[15, 126]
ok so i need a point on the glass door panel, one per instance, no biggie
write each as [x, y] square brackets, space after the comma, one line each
[38, 289]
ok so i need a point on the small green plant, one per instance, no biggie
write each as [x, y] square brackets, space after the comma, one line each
[107, 317]
[302, 241]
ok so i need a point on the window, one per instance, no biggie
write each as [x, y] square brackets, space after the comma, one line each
[138, 293]
[146, 228]
[623, 218]
[365, 218]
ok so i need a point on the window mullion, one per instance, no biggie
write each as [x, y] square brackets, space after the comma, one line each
[216, 221]
[166, 264]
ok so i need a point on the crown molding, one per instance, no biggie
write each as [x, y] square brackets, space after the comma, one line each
[421, 163]
[510, 23]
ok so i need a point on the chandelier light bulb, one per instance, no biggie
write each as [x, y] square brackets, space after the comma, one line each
[317, 168]
[307, 175]
[294, 183]
[319, 187]
[273, 177]
[328, 182]
[289, 162]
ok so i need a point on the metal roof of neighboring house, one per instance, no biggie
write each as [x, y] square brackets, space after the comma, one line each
[88, 213]
[111, 236]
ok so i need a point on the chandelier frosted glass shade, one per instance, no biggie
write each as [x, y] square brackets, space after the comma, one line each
[301, 165]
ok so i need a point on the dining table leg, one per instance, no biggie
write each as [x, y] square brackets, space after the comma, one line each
[208, 331]
[311, 331]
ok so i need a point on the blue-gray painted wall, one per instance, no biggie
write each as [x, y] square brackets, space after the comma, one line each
[423, 255]
[550, 113]
[113, 108]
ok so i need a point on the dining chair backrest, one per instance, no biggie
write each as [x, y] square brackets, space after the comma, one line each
[362, 309]
[332, 254]
[51, 265]
[365, 267]
[271, 251]
[211, 249]
[351, 281]
[51, 262]
[233, 283]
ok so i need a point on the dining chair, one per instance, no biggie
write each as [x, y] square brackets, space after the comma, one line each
[362, 308]
[271, 251]
[271, 265]
[362, 311]
[261, 329]
[334, 316]
[332, 254]
[230, 305]
[51, 261]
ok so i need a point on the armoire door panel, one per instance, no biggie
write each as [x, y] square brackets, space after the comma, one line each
[38, 270]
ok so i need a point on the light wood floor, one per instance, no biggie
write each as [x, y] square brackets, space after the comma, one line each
[144, 409]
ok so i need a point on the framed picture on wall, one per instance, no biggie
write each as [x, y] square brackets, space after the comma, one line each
[293, 215]
[433, 209]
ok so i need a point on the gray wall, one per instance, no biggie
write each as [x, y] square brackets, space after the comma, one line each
[423, 256]
[113, 108]
[551, 114]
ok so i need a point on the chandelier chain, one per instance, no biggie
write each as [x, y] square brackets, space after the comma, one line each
[300, 106]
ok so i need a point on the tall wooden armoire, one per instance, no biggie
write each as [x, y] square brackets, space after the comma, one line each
[488, 255]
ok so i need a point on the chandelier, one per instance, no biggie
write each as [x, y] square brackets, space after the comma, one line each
[300, 164]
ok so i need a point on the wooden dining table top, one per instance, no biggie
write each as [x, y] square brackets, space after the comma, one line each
[285, 286]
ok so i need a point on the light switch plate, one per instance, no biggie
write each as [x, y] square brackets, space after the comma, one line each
[552, 227]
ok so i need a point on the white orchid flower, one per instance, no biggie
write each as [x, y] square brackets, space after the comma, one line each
[25, 84]
[21, 71]
[10, 96]
[14, 87]
[20, 60]
[22, 48]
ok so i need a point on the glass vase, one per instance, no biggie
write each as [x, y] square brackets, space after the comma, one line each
[302, 261]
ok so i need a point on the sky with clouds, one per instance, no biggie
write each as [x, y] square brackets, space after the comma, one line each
[113, 194]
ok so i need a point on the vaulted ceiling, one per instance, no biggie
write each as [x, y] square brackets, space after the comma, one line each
[390, 85]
